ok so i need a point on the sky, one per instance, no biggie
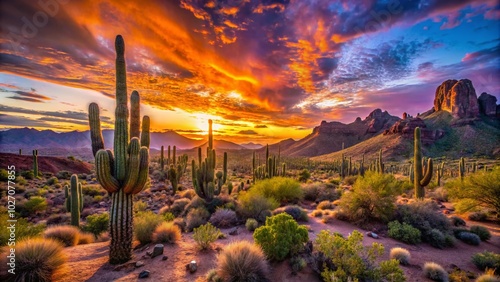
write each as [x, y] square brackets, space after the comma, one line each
[262, 70]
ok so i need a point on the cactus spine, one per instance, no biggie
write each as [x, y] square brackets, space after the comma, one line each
[123, 172]
[420, 179]
[35, 163]
[74, 200]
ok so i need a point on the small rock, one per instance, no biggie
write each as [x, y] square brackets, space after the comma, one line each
[158, 250]
[144, 274]
[139, 263]
[192, 266]
[234, 231]
[148, 253]
[164, 258]
[371, 234]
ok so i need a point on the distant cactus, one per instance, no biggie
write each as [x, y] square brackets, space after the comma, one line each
[20, 151]
[74, 200]
[35, 163]
[461, 168]
[380, 163]
[439, 173]
[420, 179]
[125, 171]
[162, 159]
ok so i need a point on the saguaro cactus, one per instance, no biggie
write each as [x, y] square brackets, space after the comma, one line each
[162, 158]
[74, 200]
[420, 179]
[461, 168]
[123, 172]
[35, 163]
[439, 173]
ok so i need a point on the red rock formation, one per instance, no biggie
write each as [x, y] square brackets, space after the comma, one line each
[487, 104]
[457, 97]
[406, 127]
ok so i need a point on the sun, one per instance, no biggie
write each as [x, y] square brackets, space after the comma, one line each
[202, 122]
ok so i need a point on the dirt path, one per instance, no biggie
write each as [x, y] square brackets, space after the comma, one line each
[89, 262]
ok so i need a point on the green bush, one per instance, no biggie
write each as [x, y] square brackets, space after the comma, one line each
[298, 213]
[457, 221]
[404, 232]
[145, 224]
[205, 235]
[253, 205]
[242, 261]
[436, 238]
[140, 206]
[469, 238]
[53, 180]
[371, 198]
[37, 259]
[311, 191]
[304, 175]
[352, 260]
[435, 272]
[281, 189]
[35, 204]
[477, 216]
[481, 231]
[468, 187]
[97, 223]
[63, 174]
[251, 224]
[24, 229]
[93, 190]
[28, 174]
[4, 175]
[297, 263]
[486, 260]
[177, 207]
[425, 216]
[281, 237]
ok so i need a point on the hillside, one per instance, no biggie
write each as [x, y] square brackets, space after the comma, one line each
[45, 164]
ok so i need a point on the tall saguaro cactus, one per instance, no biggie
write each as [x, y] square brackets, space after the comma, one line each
[35, 163]
[74, 200]
[420, 179]
[122, 172]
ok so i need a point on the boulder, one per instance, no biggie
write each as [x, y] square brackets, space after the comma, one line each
[158, 250]
[487, 104]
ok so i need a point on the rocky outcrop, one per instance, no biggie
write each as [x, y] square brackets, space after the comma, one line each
[378, 120]
[487, 104]
[406, 127]
[457, 97]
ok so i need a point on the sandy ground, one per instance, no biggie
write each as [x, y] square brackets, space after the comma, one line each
[89, 262]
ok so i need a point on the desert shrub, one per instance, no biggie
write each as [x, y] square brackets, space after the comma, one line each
[329, 194]
[63, 174]
[37, 259]
[372, 198]
[20, 181]
[145, 224]
[97, 223]
[296, 212]
[297, 263]
[196, 217]
[304, 175]
[66, 234]
[325, 205]
[28, 174]
[400, 254]
[189, 194]
[140, 206]
[177, 207]
[4, 175]
[457, 221]
[251, 224]
[350, 180]
[168, 216]
[425, 216]
[317, 213]
[404, 232]
[35, 204]
[468, 187]
[252, 205]
[436, 238]
[477, 216]
[281, 236]
[205, 235]
[281, 189]
[86, 238]
[93, 190]
[212, 276]
[435, 272]
[488, 276]
[59, 219]
[24, 229]
[486, 260]
[469, 238]
[223, 218]
[440, 194]
[167, 232]
[242, 261]
[311, 191]
[347, 258]
[51, 181]
[458, 275]
[481, 231]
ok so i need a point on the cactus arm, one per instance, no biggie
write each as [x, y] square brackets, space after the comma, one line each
[103, 172]
[133, 166]
[145, 138]
[135, 115]
[95, 128]
[428, 174]
[224, 169]
[75, 201]
[143, 170]
[121, 72]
